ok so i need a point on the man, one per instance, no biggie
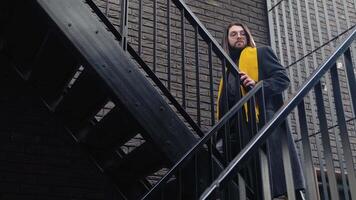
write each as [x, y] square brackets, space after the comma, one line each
[258, 64]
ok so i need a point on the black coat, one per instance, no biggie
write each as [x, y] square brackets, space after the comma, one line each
[275, 81]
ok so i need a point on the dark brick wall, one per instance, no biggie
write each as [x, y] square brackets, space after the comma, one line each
[329, 19]
[215, 15]
[38, 158]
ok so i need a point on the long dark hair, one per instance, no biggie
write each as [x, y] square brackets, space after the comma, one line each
[225, 41]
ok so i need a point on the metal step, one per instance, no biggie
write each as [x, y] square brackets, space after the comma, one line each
[53, 68]
[83, 100]
[115, 129]
[24, 38]
[141, 162]
[129, 171]
[70, 35]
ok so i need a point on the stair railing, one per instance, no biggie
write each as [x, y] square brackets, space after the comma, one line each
[175, 30]
[212, 46]
[297, 101]
[256, 92]
[171, 87]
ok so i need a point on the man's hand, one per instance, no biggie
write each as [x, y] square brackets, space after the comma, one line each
[246, 80]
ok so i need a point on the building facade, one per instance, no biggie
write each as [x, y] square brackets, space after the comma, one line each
[39, 160]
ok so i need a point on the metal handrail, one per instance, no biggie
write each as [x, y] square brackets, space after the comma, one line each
[145, 67]
[205, 33]
[278, 118]
[232, 112]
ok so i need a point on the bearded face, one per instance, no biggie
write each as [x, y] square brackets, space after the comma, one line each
[237, 37]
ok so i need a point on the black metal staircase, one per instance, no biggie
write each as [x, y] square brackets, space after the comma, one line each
[313, 81]
[74, 58]
[77, 66]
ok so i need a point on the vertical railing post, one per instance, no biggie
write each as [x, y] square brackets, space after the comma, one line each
[212, 141]
[338, 100]
[154, 35]
[345, 140]
[253, 126]
[140, 9]
[308, 159]
[169, 44]
[288, 172]
[351, 78]
[263, 158]
[226, 135]
[107, 8]
[266, 184]
[242, 187]
[197, 81]
[212, 110]
[271, 25]
[183, 56]
[326, 142]
[123, 23]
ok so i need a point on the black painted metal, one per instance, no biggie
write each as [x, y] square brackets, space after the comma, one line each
[287, 168]
[351, 78]
[278, 118]
[308, 159]
[329, 128]
[118, 73]
[154, 35]
[52, 67]
[147, 69]
[253, 128]
[80, 104]
[123, 23]
[226, 135]
[169, 44]
[314, 117]
[212, 110]
[104, 134]
[322, 171]
[265, 176]
[327, 80]
[56, 74]
[199, 29]
[187, 15]
[211, 159]
[107, 8]
[197, 79]
[140, 10]
[330, 169]
[203, 141]
[183, 56]
[204, 33]
[165, 91]
[345, 139]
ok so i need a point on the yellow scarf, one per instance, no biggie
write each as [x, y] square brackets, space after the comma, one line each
[248, 63]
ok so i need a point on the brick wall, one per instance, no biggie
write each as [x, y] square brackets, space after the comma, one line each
[38, 158]
[300, 27]
[215, 15]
